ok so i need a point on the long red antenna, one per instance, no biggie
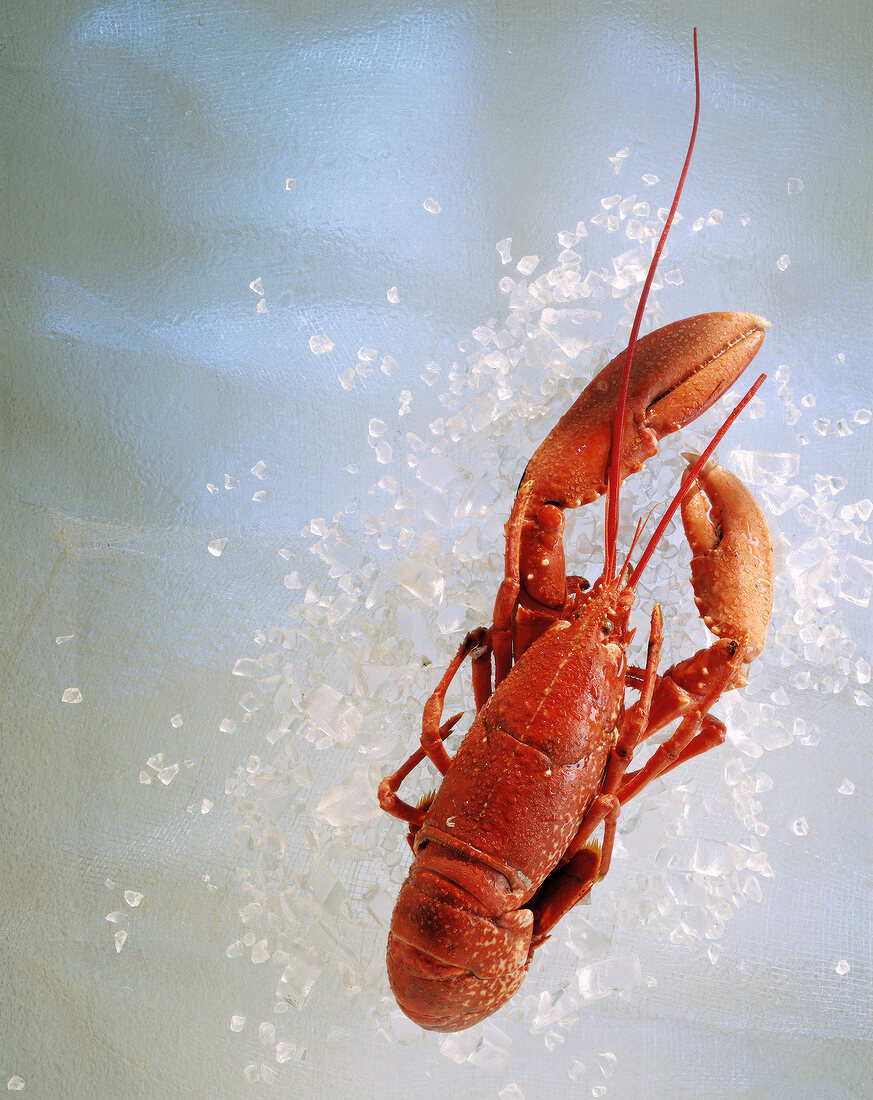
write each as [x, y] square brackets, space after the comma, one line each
[688, 480]
[618, 437]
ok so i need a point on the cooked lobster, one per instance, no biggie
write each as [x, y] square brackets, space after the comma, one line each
[505, 847]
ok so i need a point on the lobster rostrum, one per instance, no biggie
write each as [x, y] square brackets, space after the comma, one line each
[504, 848]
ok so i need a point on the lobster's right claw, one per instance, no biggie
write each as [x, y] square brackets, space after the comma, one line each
[732, 563]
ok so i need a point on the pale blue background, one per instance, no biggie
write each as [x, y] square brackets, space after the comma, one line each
[145, 149]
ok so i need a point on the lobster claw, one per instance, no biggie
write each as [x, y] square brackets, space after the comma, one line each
[732, 563]
[678, 372]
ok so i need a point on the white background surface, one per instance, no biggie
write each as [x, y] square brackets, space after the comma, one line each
[146, 149]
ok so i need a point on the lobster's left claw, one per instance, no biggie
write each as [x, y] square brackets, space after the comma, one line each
[732, 566]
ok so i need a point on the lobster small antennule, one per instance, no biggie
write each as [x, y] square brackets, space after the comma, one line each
[618, 440]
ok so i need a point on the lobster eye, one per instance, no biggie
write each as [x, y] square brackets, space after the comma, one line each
[607, 626]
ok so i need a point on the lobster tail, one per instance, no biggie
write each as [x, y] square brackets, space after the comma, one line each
[450, 962]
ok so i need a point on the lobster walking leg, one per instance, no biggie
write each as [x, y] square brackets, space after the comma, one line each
[431, 739]
[388, 798]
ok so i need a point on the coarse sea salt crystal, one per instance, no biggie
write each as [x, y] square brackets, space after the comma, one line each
[71, 695]
[216, 547]
[856, 582]
[15, 1083]
[431, 206]
[842, 967]
[120, 939]
[393, 295]
[320, 344]
[237, 1023]
[503, 248]
[133, 898]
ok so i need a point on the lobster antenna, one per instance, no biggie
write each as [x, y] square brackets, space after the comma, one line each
[618, 437]
[688, 481]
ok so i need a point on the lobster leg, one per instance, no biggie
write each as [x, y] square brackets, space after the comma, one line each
[710, 733]
[569, 883]
[389, 800]
[431, 739]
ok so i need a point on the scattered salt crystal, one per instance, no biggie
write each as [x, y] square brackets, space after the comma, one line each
[459, 1045]
[862, 670]
[714, 952]
[843, 428]
[320, 344]
[230, 482]
[15, 1083]
[262, 306]
[216, 547]
[133, 898]
[156, 762]
[856, 582]
[257, 285]
[259, 496]
[259, 470]
[260, 952]
[431, 206]
[745, 219]
[354, 801]
[765, 467]
[650, 179]
[251, 1073]
[176, 721]
[607, 1062]
[145, 778]
[576, 1071]
[493, 1052]
[206, 805]
[821, 425]
[842, 967]
[783, 262]
[237, 1023]
[347, 378]
[268, 1074]
[846, 787]
[64, 638]
[212, 488]
[290, 183]
[298, 980]
[227, 725]
[801, 826]
[527, 265]
[393, 295]
[795, 185]
[863, 416]
[285, 1051]
[71, 695]
[120, 938]
[267, 1033]
[115, 917]
[598, 1090]
[511, 1092]
[167, 775]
